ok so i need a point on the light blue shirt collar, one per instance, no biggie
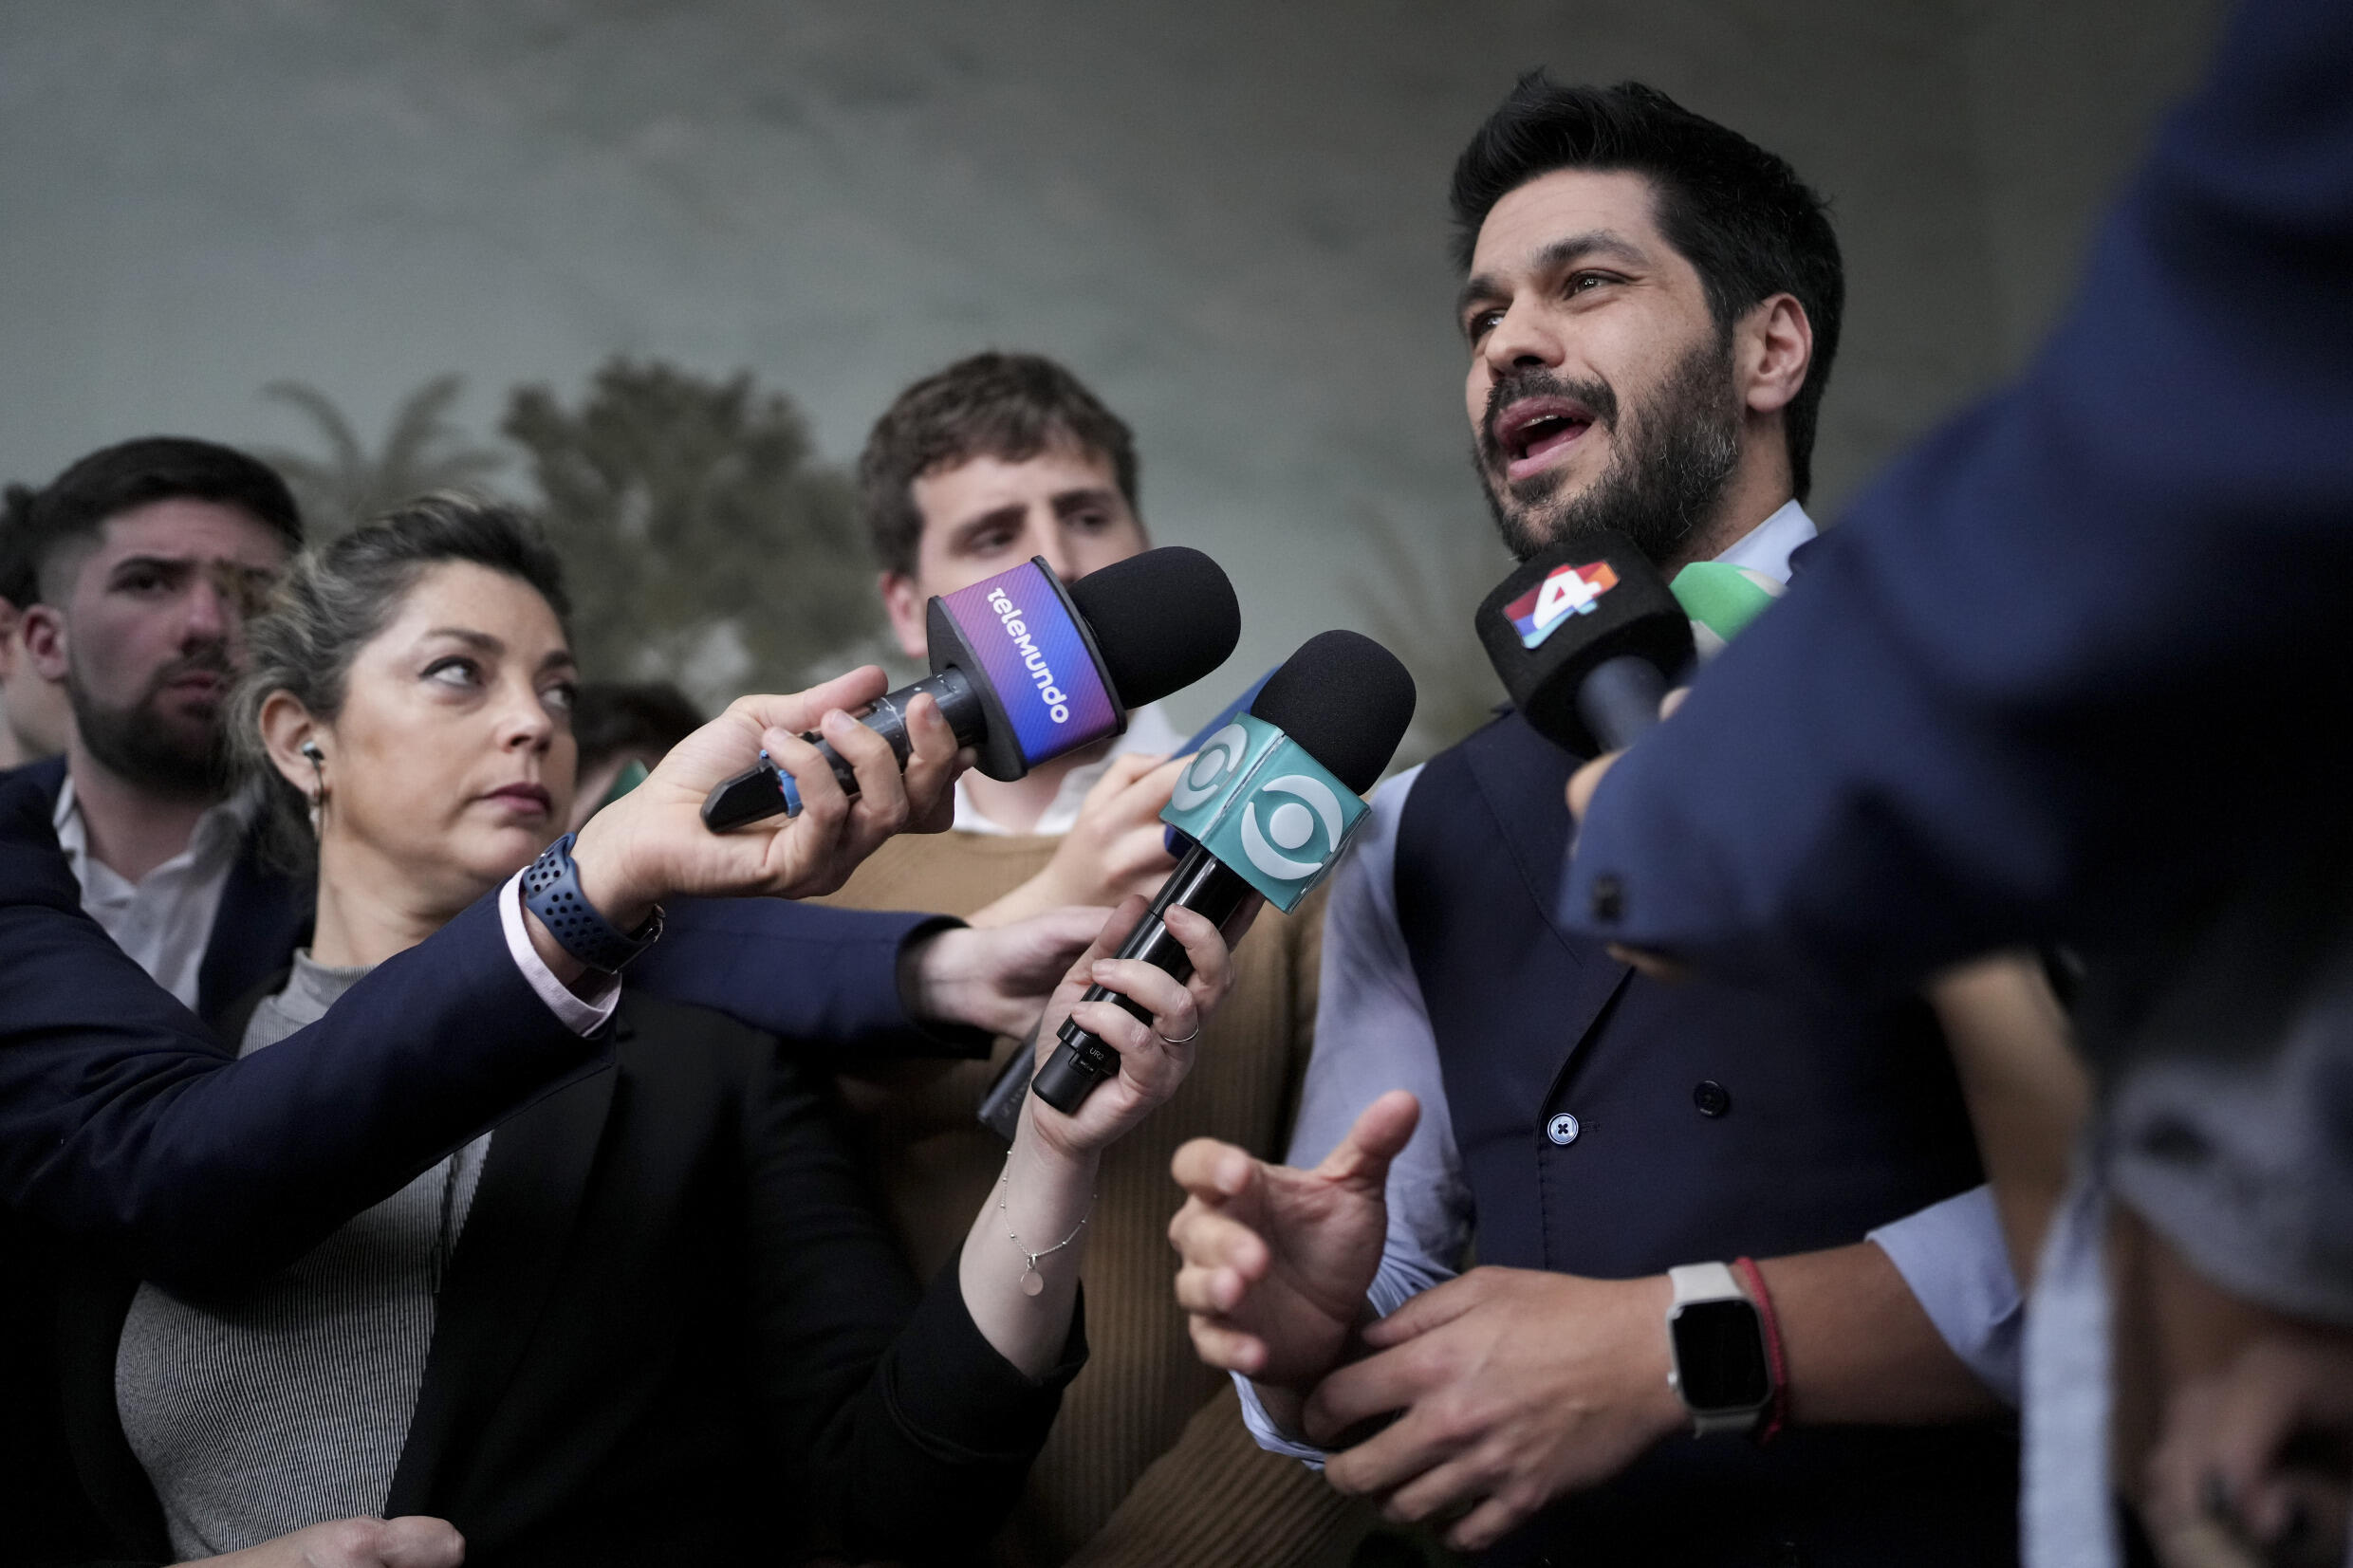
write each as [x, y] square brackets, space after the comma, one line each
[1766, 547]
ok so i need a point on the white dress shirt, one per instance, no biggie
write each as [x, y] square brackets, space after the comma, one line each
[1373, 1035]
[164, 920]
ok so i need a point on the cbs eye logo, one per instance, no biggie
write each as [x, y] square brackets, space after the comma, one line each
[1219, 756]
[1289, 825]
[1292, 825]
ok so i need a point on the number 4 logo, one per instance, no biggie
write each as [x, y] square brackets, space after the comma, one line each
[1566, 591]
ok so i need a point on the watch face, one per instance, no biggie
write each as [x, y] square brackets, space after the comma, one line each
[1719, 1356]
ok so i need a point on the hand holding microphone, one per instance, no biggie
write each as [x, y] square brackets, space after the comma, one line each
[1024, 670]
[1269, 802]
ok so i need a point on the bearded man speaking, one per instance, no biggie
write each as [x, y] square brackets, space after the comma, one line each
[1650, 307]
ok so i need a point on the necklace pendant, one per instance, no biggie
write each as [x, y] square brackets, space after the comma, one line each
[1032, 1282]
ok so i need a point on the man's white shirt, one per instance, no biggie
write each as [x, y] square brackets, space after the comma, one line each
[164, 920]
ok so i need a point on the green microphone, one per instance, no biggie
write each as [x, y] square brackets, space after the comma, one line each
[1721, 600]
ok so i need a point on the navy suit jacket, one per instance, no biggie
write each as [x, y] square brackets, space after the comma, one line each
[2077, 664]
[126, 1126]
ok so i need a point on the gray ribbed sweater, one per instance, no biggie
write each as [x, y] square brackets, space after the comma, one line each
[289, 1403]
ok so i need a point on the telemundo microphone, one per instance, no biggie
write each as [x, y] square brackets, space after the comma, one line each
[1590, 636]
[1269, 802]
[1025, 669]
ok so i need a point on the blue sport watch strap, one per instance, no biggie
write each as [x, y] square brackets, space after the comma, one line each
[551, 891]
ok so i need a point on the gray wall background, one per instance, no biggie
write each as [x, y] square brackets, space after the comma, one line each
[1228, 216]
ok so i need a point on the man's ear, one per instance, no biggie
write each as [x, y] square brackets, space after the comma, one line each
[903, 601]
[286, 728]
[44, 640]
[1774, 350]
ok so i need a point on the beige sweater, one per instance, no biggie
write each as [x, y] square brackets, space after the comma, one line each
[1149, 1463]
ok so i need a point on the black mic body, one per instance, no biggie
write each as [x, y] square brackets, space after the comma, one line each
[1339, 705]
[1024, 670]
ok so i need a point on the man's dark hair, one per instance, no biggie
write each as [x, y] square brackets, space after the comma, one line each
[19, 585]
[1007, 406]
[611, 717]
[1738, 214]
[109, 482]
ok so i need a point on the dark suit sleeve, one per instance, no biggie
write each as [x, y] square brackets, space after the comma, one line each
[876, 1395]
[810, 973]
[124, 1125]
[2083, 650]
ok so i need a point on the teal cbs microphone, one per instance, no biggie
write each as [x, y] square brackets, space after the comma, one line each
[1269, 801]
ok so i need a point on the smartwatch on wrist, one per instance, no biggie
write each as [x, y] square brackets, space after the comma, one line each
[551, 891]
[1716, 1346]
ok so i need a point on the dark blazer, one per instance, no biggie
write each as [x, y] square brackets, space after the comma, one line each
[1614, 1127]
[122, 1124]
[675, 1330]
[2077, 660]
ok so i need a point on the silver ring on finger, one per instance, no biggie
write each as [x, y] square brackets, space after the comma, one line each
[1187, 1040]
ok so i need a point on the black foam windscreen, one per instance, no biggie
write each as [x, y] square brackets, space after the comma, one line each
[1591, 598]
[1161, 620]
[1346, 699]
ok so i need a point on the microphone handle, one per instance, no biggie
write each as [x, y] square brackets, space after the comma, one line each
[1083, 1058]
[1619, 700]
[765, 790]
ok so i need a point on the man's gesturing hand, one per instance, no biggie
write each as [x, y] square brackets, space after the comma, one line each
[1516, 1386]
[1277, 1259]
[651, 844]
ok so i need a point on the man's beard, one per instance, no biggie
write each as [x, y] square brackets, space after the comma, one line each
[139, 745]
[1676, 456]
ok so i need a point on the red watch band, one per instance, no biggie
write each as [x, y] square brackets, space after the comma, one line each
[1754, 1277]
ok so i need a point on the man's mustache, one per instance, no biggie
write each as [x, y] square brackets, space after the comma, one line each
[210, 659]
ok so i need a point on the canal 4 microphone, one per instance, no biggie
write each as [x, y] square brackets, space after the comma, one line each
[1589, 637]
[1270, 800]
[1024, 670]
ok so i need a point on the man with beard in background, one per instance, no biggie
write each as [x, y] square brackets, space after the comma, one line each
[1651, 308]
[147, 558]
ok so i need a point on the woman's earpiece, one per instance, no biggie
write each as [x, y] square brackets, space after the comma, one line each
[318, 774]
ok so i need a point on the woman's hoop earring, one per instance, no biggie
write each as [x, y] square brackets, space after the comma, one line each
[318, 772]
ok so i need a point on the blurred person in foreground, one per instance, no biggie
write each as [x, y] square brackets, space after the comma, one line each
[1651, 306]
[973, 469]
[34, 715]
[622, 730]
[2073, 671]
[653, 1318]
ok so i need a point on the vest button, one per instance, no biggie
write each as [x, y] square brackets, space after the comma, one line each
[1563, 1129]
[1711, 1098]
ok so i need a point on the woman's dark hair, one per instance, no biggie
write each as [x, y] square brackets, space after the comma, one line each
[70, 509]
[334, 601]
[1005, 406]
[1738, 214]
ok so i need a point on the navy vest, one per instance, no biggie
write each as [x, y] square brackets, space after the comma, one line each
[1614, 1127]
